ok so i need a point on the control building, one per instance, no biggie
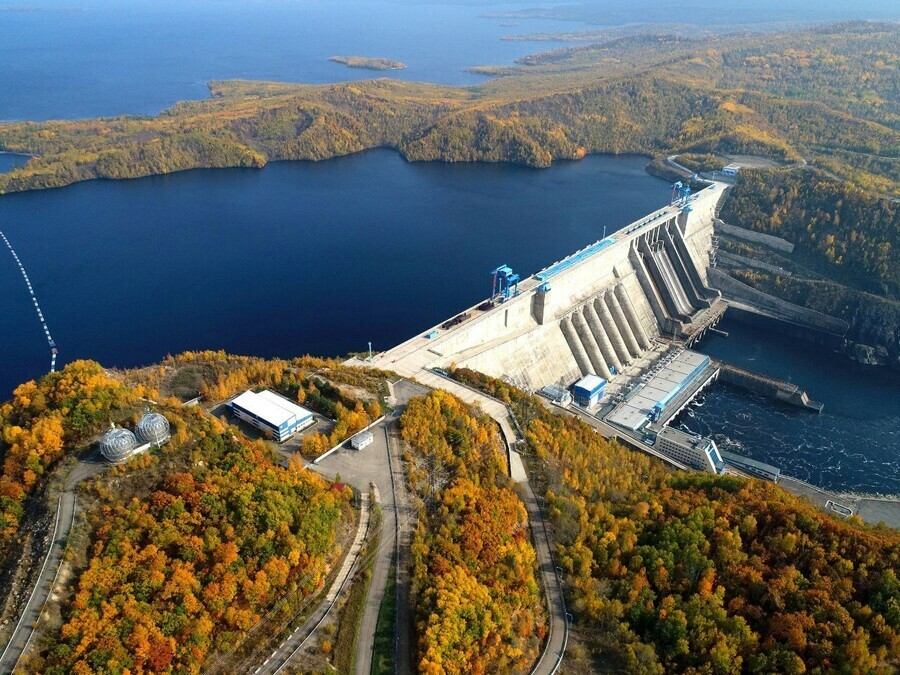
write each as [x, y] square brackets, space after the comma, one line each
[693, 451]
[274, 415]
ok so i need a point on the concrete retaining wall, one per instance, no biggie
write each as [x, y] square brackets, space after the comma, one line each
[777, 243]
[736, 290]
[767, 386]
[743, 261]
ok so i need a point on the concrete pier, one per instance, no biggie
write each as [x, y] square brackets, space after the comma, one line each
[632, 318]
[622, 324]
[772, 387]
[574, 342]
[589, 344]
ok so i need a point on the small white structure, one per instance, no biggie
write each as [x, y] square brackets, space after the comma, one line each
[361, 440]
[731, 170]
[276, 416]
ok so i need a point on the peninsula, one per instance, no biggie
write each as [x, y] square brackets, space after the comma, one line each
[366, 63]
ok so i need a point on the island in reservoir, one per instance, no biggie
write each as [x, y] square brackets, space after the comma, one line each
[368, 63]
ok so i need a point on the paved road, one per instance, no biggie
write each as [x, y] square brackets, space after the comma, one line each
[290, 647]
[379, 464]
[413, 363]
[557, 640]
[65, 517]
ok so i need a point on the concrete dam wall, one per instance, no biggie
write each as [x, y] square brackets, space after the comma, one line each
[600, 309]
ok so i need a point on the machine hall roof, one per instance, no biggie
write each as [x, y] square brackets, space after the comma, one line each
[670, 380]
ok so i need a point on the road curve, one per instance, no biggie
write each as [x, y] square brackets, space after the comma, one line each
[290, 647]
[65, 518]
[557, 639]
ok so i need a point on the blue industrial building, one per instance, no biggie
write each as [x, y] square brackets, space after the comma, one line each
[589, 390]
[276, 416]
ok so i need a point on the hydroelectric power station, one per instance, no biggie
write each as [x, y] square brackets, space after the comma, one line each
[619, 314]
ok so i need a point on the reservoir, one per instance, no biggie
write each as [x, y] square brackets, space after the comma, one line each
[320, 258]
[299, 257]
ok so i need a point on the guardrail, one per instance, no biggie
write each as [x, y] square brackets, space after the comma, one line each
[34, 590]
[339, 445]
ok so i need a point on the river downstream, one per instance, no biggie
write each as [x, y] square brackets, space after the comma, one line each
[852, 446]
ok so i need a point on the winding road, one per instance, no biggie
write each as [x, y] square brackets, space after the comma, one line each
[65, 518]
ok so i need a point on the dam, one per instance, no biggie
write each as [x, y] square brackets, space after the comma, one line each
[610, 309]
[613, 322]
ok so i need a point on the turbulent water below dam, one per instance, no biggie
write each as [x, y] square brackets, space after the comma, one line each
[852, 446]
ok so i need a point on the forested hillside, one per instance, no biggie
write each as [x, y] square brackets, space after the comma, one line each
[44, 420]
[186, 548]
[191, 563]
[477, 603]
[669, 572]
[826, 95]
[843, 231]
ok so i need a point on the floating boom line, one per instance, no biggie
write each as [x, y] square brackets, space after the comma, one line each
[53, 350]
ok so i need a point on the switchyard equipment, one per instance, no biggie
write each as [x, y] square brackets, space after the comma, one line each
[504, 283]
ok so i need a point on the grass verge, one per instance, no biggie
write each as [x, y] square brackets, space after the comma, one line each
[344, 654]
[383, 649]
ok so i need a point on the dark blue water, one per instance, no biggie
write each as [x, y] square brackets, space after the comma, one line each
[853, 445]
[10, 160]
[296, 258]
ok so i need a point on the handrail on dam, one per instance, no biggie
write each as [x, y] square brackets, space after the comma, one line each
[577, 257]
[574, 259]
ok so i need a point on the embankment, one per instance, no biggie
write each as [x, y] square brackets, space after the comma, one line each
[787, 392]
